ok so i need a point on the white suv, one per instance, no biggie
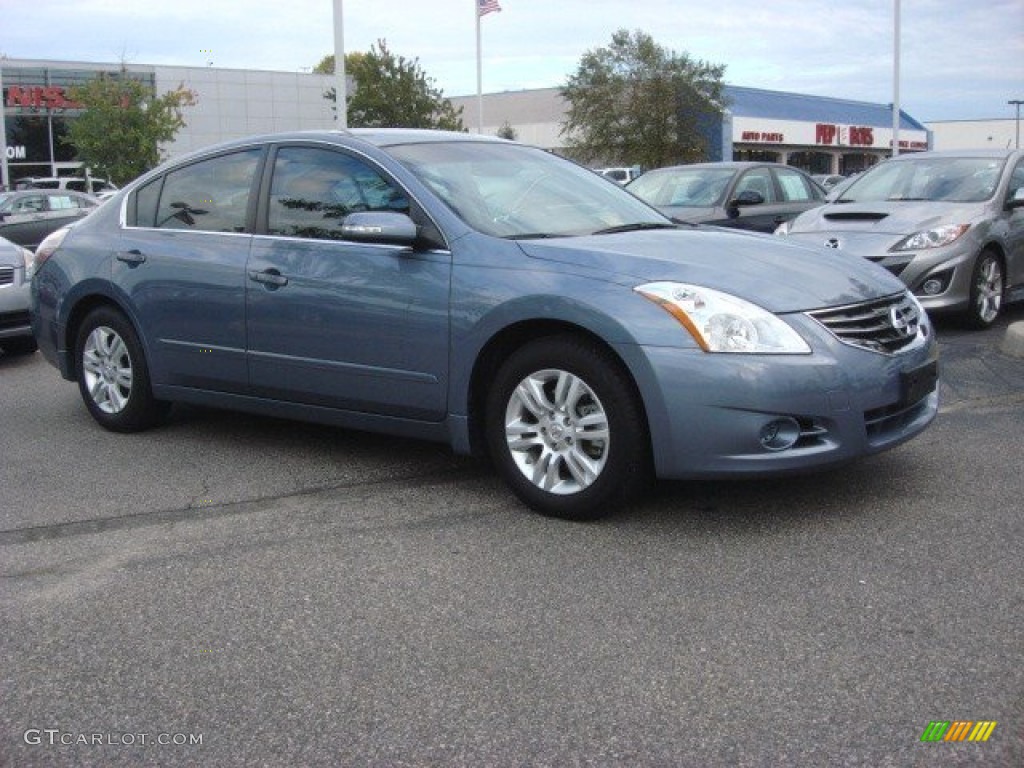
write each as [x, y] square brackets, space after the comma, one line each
[88, 184]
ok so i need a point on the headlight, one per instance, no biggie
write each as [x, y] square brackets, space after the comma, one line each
[931, 238]
[50, 244]
[30, 263]
[719, 322]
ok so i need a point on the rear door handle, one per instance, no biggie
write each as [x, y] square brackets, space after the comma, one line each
[270, 277]
[132, 258]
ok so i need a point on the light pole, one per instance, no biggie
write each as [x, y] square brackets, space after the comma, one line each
[340, 90]
[1017, 103]
[895, 78]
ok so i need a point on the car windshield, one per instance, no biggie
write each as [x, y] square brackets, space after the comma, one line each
[513, 191]
[688, 187]
[933, 179]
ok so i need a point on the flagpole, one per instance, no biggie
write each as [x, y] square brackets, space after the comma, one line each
[479, 73]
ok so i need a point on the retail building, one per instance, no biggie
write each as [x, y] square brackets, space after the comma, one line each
[819, 134]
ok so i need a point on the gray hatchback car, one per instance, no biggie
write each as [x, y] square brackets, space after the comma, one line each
[949, 224]
[485, 294]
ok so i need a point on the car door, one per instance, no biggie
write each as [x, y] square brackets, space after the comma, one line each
[24, 220]
[760, 217]
[1015, 233]
[181, 261]
[357, 326]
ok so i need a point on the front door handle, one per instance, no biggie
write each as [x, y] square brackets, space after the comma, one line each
[269, 277]
[132, 258]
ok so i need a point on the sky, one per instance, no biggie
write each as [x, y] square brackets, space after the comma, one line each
[959, 59]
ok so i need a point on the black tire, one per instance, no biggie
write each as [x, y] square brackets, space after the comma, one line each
[987, 286]
[112, 373]
[22, 346]
[581, 448]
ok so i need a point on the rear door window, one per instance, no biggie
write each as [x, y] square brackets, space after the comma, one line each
[211, 195]
[795, 187]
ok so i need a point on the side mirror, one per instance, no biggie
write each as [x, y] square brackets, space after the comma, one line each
[746, 197]
[383, 227]
[743, 199]
[1017, 201]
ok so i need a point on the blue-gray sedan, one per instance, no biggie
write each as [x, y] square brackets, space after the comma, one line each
[485, 294]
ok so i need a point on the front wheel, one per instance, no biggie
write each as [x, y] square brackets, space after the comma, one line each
[112, 374]
[566, 430]
[986, 291]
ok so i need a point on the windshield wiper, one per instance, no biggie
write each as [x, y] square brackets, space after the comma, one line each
[635, 227]
[532, 236]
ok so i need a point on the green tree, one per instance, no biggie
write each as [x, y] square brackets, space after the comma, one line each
[392, 92]
[123, 123]
[639, 103]
[507, 132]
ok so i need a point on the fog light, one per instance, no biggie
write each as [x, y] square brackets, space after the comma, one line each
[780, 434]
[932, 286]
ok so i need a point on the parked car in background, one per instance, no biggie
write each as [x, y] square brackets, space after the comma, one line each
[88, 184]
[755, 196]
[620, 175]
[486, 294]
[949, 224]
[828, 180]
[27, 216]
[16, 266]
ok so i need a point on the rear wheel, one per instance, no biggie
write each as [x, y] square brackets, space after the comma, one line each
[566, 430]
[113, 377]
[986, 291]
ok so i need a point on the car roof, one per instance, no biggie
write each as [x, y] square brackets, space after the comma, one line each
[729, 165]
[955, 153]
[379, 137]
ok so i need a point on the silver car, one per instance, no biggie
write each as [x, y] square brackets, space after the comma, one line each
[948, 224]
[16, 267]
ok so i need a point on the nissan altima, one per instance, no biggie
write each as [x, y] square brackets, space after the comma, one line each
[485, 294]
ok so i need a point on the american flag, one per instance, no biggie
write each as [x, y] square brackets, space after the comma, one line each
[483, 7]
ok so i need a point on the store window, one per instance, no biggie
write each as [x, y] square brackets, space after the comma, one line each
[757, 156]
[812, 162]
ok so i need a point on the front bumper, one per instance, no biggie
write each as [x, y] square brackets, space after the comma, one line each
[951, 264]
[14, 298]
[710, 413]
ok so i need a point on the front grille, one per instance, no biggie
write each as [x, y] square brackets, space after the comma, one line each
[883, 424]
[884, 325]
[6, 275]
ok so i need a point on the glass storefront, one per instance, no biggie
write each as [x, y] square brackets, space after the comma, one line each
[37, 111]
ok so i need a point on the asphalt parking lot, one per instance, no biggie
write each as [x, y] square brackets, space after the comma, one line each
[288, 594]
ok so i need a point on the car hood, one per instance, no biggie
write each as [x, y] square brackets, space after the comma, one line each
[771, 272]
[891, 218]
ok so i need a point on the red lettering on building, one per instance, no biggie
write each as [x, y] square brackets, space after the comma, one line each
[759, 136]
[38, 97]
[854, 135]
